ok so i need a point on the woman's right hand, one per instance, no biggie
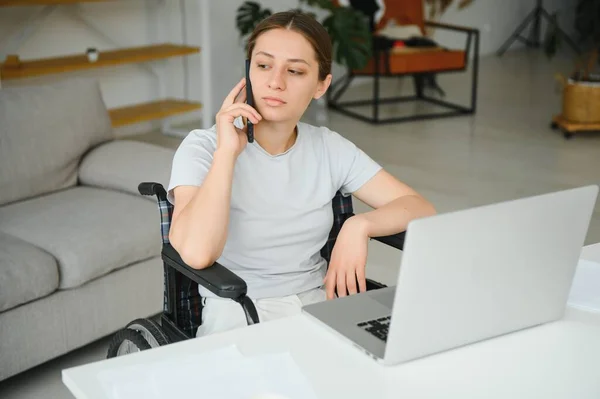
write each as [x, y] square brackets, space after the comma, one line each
[230, 138]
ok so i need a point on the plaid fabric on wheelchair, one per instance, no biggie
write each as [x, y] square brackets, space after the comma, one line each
[342, 210]
[166, 214]
[189, 301]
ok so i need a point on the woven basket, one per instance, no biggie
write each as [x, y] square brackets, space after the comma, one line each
[581, 102]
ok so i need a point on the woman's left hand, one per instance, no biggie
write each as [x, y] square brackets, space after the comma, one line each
[346, 271]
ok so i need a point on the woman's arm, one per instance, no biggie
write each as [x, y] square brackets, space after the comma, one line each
[201, 215]
[395, 205]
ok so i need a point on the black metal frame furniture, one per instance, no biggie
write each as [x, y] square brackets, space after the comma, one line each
[421, 63]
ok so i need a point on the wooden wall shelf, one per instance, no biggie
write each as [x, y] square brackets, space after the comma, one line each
[162, 107]
[153, 110]
[71, 63]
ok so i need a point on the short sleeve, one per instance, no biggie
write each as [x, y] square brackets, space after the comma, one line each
[351, 166]
[192, 160]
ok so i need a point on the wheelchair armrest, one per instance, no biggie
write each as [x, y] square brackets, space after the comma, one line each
[395, 240]
[374, 285]
[216, 278]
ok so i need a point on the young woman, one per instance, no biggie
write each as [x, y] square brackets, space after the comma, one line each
[263, 209]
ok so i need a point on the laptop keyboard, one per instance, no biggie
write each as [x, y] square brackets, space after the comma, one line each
[377, 327]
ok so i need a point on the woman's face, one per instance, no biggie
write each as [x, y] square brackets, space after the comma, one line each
[285, 75]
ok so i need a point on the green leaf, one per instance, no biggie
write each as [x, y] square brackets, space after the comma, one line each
[249, 14]
[350, 36]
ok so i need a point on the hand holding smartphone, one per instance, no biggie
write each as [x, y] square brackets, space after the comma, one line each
[231, 137]
[250, 102]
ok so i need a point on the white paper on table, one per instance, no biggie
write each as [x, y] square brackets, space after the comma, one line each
[222, 373]
[279, 378]
[160, 379]
[585, 291]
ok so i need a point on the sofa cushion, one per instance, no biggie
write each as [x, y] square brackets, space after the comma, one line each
[123, 164]
[90, 231]
[26, 272]
[44, 131]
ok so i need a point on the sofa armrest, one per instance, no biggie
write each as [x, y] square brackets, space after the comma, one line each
[122, 164]
[216, 278]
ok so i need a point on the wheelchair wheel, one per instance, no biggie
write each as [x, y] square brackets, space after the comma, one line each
[126, 341]
[139, 335]
[151, 331]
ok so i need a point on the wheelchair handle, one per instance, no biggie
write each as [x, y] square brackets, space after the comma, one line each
[153, 188]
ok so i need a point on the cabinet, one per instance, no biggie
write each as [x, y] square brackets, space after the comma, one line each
[13, 68]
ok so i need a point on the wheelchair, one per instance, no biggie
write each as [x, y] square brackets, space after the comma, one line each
[182, 304]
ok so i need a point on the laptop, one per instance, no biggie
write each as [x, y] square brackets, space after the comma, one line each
[468, 276]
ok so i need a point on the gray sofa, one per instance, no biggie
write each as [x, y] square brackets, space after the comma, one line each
[79, 246]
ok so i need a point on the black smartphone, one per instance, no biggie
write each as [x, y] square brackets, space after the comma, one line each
[249, 101]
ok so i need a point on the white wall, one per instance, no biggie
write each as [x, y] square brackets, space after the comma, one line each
[130, 23]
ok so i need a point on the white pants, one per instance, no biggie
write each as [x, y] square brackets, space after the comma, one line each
[221, 314]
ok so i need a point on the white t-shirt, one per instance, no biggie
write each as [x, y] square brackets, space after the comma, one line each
[280, 211]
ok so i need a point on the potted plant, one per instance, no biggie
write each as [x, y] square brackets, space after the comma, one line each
[581, 89]
[349, 31]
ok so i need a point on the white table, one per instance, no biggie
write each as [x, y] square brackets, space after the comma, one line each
[589, 252]
[556, 360]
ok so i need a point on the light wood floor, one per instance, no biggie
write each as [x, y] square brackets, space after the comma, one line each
[506, 151]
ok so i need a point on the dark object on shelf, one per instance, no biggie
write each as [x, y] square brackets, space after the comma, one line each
[92, 54]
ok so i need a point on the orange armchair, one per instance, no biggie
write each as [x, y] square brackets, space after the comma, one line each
[420, 62]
